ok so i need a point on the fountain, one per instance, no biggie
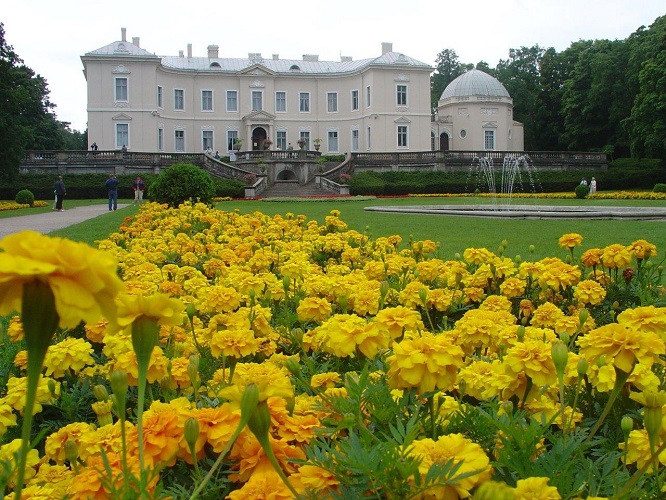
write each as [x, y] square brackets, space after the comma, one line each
[510, 176]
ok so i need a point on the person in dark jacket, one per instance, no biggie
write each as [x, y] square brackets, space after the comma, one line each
[60, 191]
[112, 189]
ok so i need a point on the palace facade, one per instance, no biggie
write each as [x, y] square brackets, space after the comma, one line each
[183, 103]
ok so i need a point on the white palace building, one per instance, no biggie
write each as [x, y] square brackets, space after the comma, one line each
[183, 103]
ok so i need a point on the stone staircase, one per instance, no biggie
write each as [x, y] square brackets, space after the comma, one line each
[292, 189]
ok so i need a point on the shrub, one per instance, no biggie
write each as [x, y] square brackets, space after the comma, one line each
[180, 183]
[25, 197]
[582, 191]
[659, 188]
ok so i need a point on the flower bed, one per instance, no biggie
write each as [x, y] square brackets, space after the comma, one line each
[279, 358]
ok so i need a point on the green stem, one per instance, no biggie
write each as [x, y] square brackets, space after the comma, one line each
[266, 445]
[620, 378]
[139, 416]
[641, 471]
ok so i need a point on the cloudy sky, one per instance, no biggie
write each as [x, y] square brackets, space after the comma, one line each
[50, 36]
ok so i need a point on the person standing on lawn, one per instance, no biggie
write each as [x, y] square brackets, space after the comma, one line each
[60, 191]
[112, 190]
[139, 187]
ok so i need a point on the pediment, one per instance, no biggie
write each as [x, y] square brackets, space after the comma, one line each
[402, 119]
[121, 116]
[489, 124]
[257, 70]
[259, 116]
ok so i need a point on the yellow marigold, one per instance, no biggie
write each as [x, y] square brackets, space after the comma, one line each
[17, 388]
[496, 303]
[646, 318]
[591, 257]
[270, 379]
[217, 425]
[263, 485]
[637, 449]
[546, 315]
[399, 320]
[479, 329]
[159, 307]
[83, 280]
[314, 309]
[216, 299]
[410, 296]
[558, 275]
[535, 487]
[251, 459]
[54, 448]
[533, 358]
[178, 371]
[624, 346]
[54, 478]
[8, 454]
[478, 255]
[7, 416]
[513, 287]
[157, 367]
[15, 329]
[475, 380]
[235, 343]
[365, 299]
[463, 452]
[643, 249]
[70, 354]
[325, 380]
[570, 240]
[589, 292]
[345, 334]
[474, 293]
[95, 332]
[616, 256]
[426, 363]
[526, 308]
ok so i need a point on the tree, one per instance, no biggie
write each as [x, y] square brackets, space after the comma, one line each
[24, 105]
[448, 69]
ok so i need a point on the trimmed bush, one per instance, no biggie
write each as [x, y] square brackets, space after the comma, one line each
[582, 191]
[180, 183]
[659, 188]
[25, 197]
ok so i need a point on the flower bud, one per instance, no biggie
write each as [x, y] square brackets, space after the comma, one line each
[193, 369]
[71, 450]
[260, 422]
[119, 384]
[532, 248]
[100, 392]
[191, 311]
[560, 354]
[627, 425]
[565, 337]
[249, 401]
[520, 333]
[293, 366]
[51, 384]
[508, 407]
[582, 317]
[582, 367]
[191, 431]
[384, 287]
[494, 490]
[423, 295]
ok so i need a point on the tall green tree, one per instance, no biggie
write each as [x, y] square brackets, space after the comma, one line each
[448, 69]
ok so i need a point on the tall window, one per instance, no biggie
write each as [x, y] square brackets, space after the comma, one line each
[354, 100]
[232, 135]
[304, 102]
[402, 136]
[121, 89]
[206, 140]
[305, 135]
[122, 135]
[206, 100]
[280, 102]
[281, 139]
[179, 140]
[232, 100]
[489, 139]
[401, 95]
[367, 96]
[367, 139]
[160, 139]
[333, 141]
[332, 102]
[160, 96]
[354, 142]
[179, 99]
[257, 100]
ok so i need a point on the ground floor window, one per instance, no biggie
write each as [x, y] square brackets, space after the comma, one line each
[367, 139]
[304, 136]
[122, 135]
[281, 139]
[179, 141]
[232, 135]
[160, 139]
[402, 136]
[489, 140]
[206, 140]
[333, 141]
[354, 139]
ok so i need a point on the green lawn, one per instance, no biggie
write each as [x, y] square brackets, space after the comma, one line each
[453, 233]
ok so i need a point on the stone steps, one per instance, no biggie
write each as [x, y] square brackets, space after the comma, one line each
[291, 189]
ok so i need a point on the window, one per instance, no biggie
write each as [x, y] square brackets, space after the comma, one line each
[354, 142]
[122, 135]
[232, 100]
[206, 140]
[367, 96]
[402, 136]
[333, 140]
[121, 89]
[304, 102]
[232, 135]
[206, 100]
[160, 139]
[367, 142]
[160, 93]
[281, 139]
[257, 100]
[179, 140]
[354, 100]
[280, 102]
[304, 135]
[332, 102]
[179, 99]
[463, 133]
[489, 139]
[401, 95]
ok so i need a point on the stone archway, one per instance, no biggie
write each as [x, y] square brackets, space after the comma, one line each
[259, 135]
[443, 141]
[286, 175]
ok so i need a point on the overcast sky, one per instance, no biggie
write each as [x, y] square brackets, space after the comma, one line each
[50, 35]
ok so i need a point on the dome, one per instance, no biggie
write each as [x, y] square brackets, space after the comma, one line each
[474, 83]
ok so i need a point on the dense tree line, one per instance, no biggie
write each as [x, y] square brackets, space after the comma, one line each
[27, 117]
[597, 95]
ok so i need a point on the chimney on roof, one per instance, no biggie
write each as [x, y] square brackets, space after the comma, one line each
[189, 50]
[276, 57]
[123, 34]
[213, 51]
[135, 41]
[180, 53]
[345, 58]
[311, 57]
[387, 47]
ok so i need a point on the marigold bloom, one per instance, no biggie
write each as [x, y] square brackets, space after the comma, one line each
[16, 393]
[344, 334]
[95, 332]
[159, 307]
[314, 309]
[8, 453]
[535, 487]
[462, 451]
[591, 257]
[643, 249]
[570, 240]
[637, 449]
[311, 479]
[616, 256]
[645, 318]
[54, 448]
[589, 292]
[426, 363]
[270, 379]
[325, 380]
[235, 343]
[399, 320]
[15, 329]
[7, 416]
[70, 354]
[83, 280]
[263, 485]
[546, 315]
[624, 346]
[513, 287]
[251, 459]
[533, 358]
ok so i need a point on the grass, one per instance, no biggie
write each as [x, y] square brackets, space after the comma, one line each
[454, 234]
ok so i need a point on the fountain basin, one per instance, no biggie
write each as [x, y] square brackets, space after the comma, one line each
[531, 211]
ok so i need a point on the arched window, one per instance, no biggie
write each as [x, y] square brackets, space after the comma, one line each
[215, 65]
[295, 67]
